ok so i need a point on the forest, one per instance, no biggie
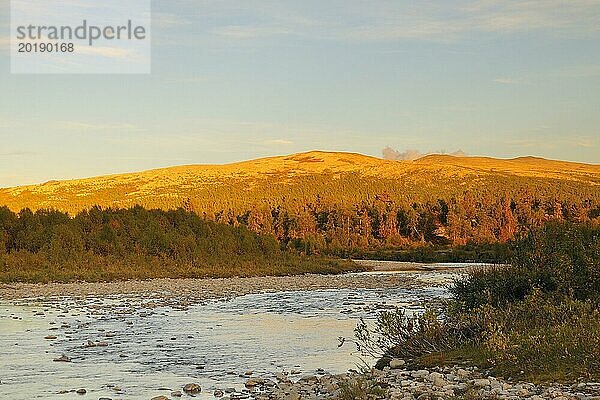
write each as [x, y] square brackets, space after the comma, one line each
[382, 227]
[350, 205]
[115, 244]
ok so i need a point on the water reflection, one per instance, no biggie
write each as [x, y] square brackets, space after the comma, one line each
[129, 347]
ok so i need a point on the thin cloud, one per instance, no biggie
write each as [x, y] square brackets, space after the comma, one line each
[278, 142]
[82, 126]
[108, 52]
[508, 81]
[168, 20]
[387, 20]
[188, 79]
[18, 154]
[249, 31]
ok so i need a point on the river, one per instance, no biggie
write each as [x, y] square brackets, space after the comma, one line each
[135, 347]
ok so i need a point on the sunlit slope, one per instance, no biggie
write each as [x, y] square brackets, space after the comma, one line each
[340, 177]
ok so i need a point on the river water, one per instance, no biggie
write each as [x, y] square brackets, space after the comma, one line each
[128, 347]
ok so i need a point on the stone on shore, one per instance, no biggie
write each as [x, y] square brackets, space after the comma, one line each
[192, 388]
[397, 363]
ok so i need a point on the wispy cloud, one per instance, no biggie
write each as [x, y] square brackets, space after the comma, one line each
[278, 142]
[169, 20]
[83, 126]
[249, 31]
[108, 52]
[566, 72]
[390, 20]
[508, 81]
[188, 79]
[18, 153]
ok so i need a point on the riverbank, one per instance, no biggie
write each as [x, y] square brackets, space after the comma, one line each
[403, 384]
[202, 289]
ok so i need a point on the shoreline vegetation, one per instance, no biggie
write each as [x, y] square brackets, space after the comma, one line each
[125, 244]
[536, 318]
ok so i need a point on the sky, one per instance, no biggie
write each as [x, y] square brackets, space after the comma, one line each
[236, 80]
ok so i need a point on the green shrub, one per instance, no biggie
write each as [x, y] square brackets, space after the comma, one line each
[537, 319]
[558, 258]
[543, 336]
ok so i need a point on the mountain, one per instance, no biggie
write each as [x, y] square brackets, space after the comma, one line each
[339, 177]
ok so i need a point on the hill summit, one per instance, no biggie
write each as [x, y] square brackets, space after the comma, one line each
[309, 174]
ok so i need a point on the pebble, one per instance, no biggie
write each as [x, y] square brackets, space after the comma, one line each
[400, 384]
[192, 388]
[397, 363]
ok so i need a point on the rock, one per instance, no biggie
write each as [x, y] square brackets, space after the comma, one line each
[433, 376]
[51, 337]
[218, 393]
[62, 358]
[422, 373]
[192, 388]
[160, 398]
[480, 383]
[254, 382]
[397, 363]
[81, 391]
[176, 393]
[462, 373]
[439, 382]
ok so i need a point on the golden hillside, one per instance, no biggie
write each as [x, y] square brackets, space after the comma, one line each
[214, 187]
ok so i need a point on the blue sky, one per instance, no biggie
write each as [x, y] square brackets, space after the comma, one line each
[234, 80]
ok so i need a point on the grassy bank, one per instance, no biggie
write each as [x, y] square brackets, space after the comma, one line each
[537, 319]
[120, 244]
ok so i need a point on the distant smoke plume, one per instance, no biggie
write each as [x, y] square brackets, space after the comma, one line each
[409, 155]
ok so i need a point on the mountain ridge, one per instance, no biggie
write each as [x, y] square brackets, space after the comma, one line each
[174, 184]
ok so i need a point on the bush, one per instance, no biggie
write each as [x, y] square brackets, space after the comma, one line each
[558, 258]
[538, 318]
[543, 336]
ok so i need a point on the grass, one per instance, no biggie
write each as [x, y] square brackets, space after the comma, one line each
[36, 268]
[361, 387]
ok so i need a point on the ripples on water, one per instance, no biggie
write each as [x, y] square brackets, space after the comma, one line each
[164, 346]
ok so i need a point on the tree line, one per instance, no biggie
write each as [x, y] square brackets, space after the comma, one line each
[107, 244]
